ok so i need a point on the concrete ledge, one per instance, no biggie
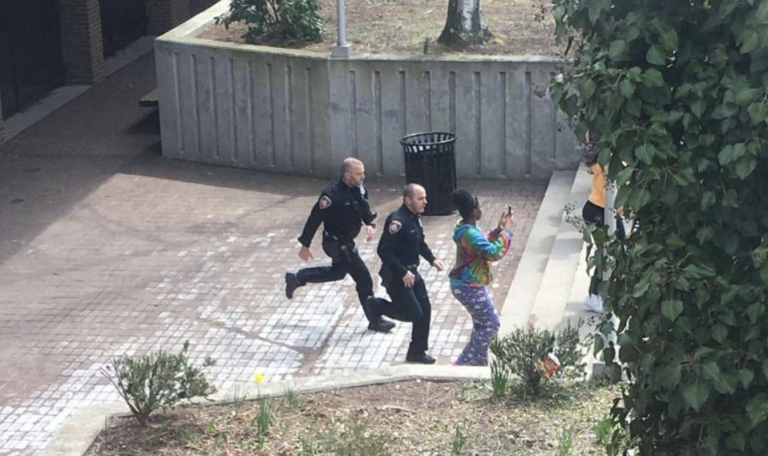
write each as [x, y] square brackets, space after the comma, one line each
[79, 432]
[558, 278]
[298, 112]
[524, 289]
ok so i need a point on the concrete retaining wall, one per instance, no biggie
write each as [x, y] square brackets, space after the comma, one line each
[293, 111]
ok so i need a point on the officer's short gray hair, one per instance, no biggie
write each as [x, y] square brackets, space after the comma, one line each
[348, 164]
[409, 191]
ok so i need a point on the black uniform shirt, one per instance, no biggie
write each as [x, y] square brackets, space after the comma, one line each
[342, 210]
[402, 241]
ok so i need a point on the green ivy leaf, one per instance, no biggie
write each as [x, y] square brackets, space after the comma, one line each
[731, 198]
[655, 56]
[671, 309]
[765, 369]
[695, 395]
[645, 153]
[599, 345]
[737, 441]
[624, 176]
[764, 273]
[588, 88]
[707, 200]
[745, 377]
[745, 96]
[669, 40]
[596, 7]
[749, 42]
[724, 111]
[653, 78]
[698, 107]
[626, 88]
[719, 332]
[757, 112]
[641, 288]
[617, 49]
[745, 166]
[757, 408]
[726, 156]
[704, 234]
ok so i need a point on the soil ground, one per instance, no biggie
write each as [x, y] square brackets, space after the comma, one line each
[519, 27]
[407, 418]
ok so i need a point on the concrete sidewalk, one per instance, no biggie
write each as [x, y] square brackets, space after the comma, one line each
[108, 249]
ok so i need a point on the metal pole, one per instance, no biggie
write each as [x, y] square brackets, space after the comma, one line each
[341, 49]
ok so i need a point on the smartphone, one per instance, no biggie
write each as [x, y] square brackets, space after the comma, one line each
[509, 210]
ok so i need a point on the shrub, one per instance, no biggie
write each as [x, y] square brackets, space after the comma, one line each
[676, 94]
[523, 349]
[499, 378]
[282, 21]
[157, 381]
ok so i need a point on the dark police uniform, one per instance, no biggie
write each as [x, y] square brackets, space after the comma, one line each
[402, 242]
[342, 210]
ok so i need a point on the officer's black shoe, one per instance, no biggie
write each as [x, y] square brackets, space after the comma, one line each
[291, 284]
[421, 358]
[382, 325]
[372, 313]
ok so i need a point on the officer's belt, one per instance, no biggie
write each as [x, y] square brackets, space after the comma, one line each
[337, 238]
[411, 267]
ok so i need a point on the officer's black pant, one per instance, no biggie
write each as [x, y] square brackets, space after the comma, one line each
[594, 214]
[411, 305]
[350, 264]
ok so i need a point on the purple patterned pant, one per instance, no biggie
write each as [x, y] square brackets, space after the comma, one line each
[485, 323]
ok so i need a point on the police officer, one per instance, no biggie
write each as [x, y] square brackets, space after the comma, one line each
[402, 242]
[342, 209]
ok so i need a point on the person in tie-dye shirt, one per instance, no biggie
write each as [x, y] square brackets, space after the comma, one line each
[475, 250]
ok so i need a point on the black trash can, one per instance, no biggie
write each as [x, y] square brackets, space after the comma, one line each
[430, 162]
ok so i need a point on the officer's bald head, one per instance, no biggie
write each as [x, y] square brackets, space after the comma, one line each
[415, 198]
[410, 190]
[352, 171]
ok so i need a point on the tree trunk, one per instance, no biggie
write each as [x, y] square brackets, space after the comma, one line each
[464, 25]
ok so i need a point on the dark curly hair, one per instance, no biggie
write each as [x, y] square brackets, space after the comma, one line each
[465, 203]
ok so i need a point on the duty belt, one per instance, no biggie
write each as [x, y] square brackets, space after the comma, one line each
[336, 238]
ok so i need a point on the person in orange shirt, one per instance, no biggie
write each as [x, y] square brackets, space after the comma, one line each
[593, 212]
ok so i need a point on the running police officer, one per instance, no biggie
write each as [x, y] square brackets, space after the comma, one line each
[402, 242]
[342, 209]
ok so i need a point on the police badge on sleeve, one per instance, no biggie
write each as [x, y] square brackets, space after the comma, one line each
[324, 202]
[394, 226]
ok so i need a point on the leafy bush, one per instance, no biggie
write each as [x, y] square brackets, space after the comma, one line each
[523, 349]
[282, 21]
[500, 378]
[157, 381]
[675, 93]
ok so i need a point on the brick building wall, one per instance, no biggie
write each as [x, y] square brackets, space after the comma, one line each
[81, 41]
[163, 15]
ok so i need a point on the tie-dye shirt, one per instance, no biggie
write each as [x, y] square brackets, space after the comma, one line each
[474, 253]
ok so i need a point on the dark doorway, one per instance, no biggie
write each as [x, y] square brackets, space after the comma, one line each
[31, 65]
[122, 23]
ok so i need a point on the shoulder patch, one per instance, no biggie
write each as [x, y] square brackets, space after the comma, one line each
[324, 202]
[394, 226]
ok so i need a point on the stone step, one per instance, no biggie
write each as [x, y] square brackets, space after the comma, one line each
[523, 291]
[554, 293]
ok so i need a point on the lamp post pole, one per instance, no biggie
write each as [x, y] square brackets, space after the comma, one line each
[342, 49]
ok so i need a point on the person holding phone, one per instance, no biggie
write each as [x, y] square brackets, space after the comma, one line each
[470, 276]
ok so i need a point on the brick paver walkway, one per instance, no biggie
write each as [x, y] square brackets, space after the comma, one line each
[108, 249]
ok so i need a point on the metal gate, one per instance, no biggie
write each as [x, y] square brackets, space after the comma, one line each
[31, 65]
[122, 23]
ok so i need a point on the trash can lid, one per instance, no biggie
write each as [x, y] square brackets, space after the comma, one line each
[428, 138]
